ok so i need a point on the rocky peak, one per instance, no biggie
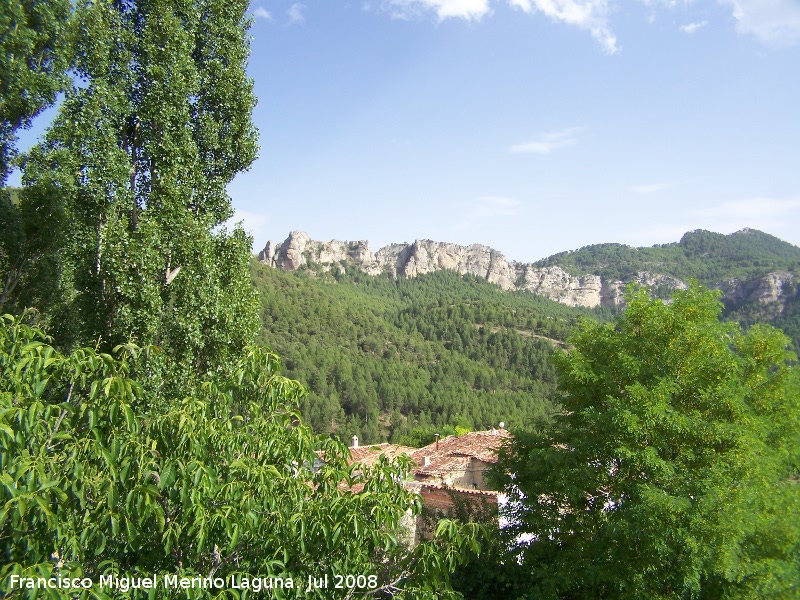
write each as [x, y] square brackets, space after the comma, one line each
[298, 250]
[425, 256]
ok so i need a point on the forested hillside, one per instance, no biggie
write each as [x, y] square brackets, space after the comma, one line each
[703, 255]
[732, 262]
[398, 359]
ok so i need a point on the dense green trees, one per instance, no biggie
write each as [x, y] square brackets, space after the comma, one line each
[145, 436]
[224, 482]
[132, 176]
[399, 359]
[673, 470]
[703, 255]
[33, 62]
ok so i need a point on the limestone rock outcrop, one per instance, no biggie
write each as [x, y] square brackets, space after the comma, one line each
[773, 289]
[426, 256]
[662, 285]
[299, 250]
[402, 260]
[555, 283]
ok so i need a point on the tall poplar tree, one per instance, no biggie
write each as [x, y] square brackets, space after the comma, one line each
[192, 460]
[33, 60]
[32, 65]
[135, 166]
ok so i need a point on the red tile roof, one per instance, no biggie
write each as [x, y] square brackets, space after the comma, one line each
[454, 452]
[368, 455]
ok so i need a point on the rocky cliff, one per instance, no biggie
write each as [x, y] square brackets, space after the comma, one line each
[425, 256]
[402, 260]
[772, 292]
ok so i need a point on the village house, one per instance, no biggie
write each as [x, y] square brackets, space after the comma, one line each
[449, 471]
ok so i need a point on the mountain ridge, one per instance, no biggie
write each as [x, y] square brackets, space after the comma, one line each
[748, 266]
[416, 346]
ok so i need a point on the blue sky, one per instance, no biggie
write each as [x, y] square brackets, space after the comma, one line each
[532, 126]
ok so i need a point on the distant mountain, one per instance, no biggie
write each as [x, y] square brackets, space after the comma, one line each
[758, 274]
[749, 266]
[414, 338]
[298, 251]
[703, 255]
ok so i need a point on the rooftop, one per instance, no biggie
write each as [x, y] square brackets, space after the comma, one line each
[368, 455]
[453, 453]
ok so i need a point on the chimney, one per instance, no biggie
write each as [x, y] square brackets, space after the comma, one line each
[436, 437]
[355, 441]
[426, 461]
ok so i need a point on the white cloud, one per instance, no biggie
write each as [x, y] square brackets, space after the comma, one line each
[477, 215]
[650, 188]
[773, 22]
[753, 208]
[295, 14]
[495, 206]
[667, 3]
[262, 13]
[690, 28]
[589, 15]
[546, 143]
[471, 10]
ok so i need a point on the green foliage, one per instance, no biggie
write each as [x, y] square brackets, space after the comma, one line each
[146, 436]
[34, 51]
[403, 359]
[703, 255]
[29, 234]
[784, 314]
[710, 258]
[227, 481]
[33, 47]
[133, 173]
[418, 437]
[483, 576]
[673, 471]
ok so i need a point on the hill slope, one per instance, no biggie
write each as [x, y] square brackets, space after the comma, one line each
[703, 255]
[387, 358]
[758, 274]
